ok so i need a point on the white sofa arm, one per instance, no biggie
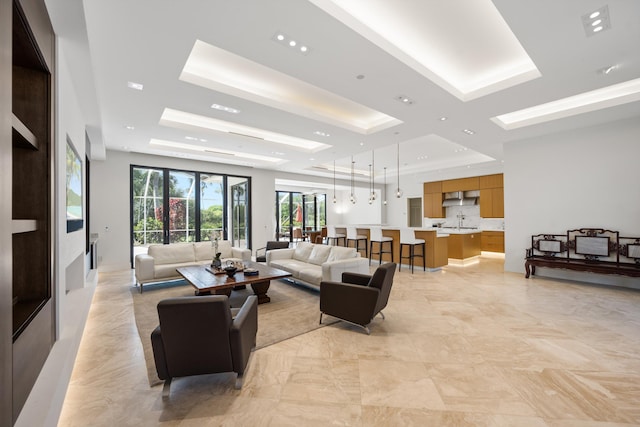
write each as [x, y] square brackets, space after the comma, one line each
[332, 271]
[279, 254]
[243, 254]
[144, 268]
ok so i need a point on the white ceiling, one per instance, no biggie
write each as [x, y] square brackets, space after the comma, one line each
[150, 42]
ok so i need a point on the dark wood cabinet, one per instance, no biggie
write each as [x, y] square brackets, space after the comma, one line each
[27, 313]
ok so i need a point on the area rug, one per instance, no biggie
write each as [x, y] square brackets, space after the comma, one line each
[293, 310]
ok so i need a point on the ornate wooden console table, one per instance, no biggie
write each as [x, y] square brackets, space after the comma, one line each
[594, 250]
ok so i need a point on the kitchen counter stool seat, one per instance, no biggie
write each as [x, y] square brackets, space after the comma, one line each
[408, 239]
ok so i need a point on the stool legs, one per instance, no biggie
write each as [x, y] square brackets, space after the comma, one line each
[412, 255]
[380, 250]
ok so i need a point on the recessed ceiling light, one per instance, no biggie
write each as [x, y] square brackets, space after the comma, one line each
[320, 133]
[422, 157]
[360, 76]
[284, 39]
[134, 85]
[442, 119]
[361, 144]
[129, 127]
[610, 96]
[597, 21]
[468, 131]
[609, 69]
[404, 99]
[225, 108]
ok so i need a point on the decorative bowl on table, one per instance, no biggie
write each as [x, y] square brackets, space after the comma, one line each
[230, 270]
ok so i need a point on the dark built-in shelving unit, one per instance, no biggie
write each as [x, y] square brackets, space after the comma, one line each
[26, 240]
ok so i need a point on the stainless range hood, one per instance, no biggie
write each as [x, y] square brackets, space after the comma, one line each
[461, 198]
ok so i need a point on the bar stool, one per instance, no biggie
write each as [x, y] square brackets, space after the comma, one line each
[332, 235]
[353, 236]
[375, 236]
[408, 238]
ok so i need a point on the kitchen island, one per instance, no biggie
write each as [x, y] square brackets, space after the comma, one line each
[464, 244]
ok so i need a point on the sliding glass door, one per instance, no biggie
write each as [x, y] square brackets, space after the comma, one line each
[297, 210]
[172, 206]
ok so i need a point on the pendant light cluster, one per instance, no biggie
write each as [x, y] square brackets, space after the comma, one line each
[398, 189]
[334, 183]
[372, 169]
[352, 197]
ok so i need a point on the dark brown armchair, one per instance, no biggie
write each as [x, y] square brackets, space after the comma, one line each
[359, 297]
[197, 335]
[261, 253]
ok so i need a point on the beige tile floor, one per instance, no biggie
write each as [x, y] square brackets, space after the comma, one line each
[466, 346]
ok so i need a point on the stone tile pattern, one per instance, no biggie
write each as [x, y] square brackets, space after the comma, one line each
[465, 346]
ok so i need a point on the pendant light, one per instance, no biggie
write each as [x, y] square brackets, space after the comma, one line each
[384, 197]
[370, 186]
[352, 198]
[398, 189]
[372, 175]
[334, 183]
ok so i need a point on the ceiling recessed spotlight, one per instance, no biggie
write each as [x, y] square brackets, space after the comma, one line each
[277, 153]
[360, 76]
[442, 119]
[225, 108]
[468, 131]
[597, 21]
[134, 85]
[609, 69]
[320, 133]
[404, 99]
[129, 127]
[422, 157]
[361, 144]
[282, 38]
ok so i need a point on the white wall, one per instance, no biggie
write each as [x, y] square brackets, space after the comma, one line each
[582, 178]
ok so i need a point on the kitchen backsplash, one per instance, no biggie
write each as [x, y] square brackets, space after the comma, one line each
[471, 219]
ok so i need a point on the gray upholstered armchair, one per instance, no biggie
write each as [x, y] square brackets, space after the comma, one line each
[359, 297]
[198, 335]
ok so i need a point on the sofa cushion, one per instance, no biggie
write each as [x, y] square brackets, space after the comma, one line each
[311, 274]
[338, 252]
[166, 271]
[204, 251]
[175, 253]
[224, 247]
[289, 265]
[302, 251]
[319, 254]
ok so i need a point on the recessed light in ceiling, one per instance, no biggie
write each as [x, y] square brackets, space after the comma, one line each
[189, 121]
[426, 36]
[225, 108]
[129, 127]
[217, 69]
[320, 133]
[610, 96]
[468, 131]
[597, 21]
[134, 85]
[282, 39]
[193, 138]
[608, 70]
[212, 150]
[404, 99]
[442, 119]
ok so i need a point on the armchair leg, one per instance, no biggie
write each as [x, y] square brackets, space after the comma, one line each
[382, 314]
[239, 380]
[166, 389]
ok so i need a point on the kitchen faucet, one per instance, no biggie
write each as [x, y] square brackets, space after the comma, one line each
[460, 219]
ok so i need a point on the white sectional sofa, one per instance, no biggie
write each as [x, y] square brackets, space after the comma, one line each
[160, 262]
[311, 263]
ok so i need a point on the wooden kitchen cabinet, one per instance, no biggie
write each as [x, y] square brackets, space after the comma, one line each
[432, 200]
[491, 181]
[492, 203]
[463, 246]
[461, 184]
[493, 241]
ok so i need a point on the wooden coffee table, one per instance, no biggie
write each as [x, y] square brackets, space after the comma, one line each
[207, 283]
